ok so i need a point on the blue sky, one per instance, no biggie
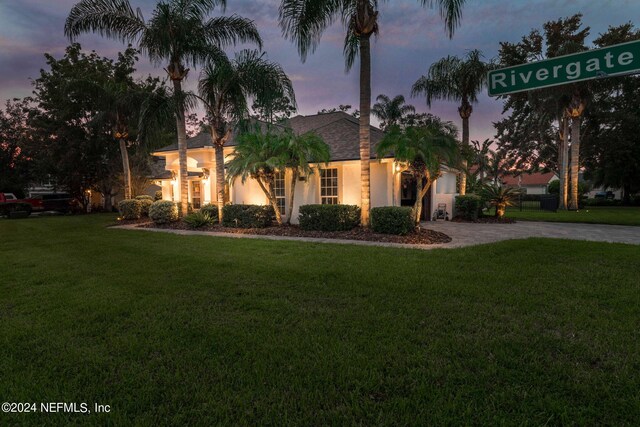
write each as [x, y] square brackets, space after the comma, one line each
[411, 38]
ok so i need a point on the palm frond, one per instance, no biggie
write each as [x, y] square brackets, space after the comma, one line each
[230, 30]
[450, 12]
[114, 19]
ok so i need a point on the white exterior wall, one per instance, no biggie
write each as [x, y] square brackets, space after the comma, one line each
[444, 191]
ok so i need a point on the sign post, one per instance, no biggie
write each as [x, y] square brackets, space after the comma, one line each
[608, 61]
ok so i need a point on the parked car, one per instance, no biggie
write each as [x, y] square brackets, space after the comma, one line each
[35, 203]
[607, 195]
[60, 202]
[12, 207]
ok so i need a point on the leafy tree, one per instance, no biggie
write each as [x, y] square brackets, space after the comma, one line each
[304, 21]
[423, 150]
[179, 33]
[456, 79]
[273, 110]
[391, 111]
[224, 87]
[345, 108]
[72, 141]
[15, 163]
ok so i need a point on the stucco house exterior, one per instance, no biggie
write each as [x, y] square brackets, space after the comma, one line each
[336, 182]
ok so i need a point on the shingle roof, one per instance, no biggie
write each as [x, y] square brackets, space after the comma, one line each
[528, 179]
[339, 130]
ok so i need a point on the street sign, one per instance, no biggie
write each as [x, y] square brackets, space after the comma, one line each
[616, 60]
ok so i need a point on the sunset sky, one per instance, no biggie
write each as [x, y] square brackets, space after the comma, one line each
[411, 38]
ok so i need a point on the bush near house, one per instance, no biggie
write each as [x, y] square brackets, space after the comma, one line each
[145, 204]
[329, 217]
[157, 196]
[247, 216]
[469, 206]
[210, 209]
[392, 220]
[163, 211]
[198, 219]
[189, 208]
[130, 208]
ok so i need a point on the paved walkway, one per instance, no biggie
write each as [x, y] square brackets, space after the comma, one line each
[463, 234]
[466, 234]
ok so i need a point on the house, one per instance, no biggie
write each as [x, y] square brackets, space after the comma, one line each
[336, 182]
[530, 183]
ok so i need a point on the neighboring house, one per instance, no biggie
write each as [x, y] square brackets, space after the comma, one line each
[530, 183]
[336, 182]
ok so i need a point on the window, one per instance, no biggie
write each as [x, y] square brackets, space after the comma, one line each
[278, 189]
[329, 186]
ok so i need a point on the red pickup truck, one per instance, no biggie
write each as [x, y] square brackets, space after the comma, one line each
[36, 204]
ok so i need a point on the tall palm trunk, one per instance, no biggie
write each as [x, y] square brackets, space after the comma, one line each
[219, 179]
[292, 193]
[575, 163]
[125, 168]
[365, 145]
[465, 110]
[271, 196]
[564, 163]
[182, 147]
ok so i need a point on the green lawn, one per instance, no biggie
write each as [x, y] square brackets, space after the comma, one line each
[181, 330]
[619, 215]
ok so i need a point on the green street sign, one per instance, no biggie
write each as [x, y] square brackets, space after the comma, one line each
[609, 61]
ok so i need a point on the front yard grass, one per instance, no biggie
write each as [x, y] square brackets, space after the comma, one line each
[618, 215]
[185, 330]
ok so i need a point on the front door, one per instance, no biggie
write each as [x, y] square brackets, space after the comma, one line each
[409, 193]
[196, 192]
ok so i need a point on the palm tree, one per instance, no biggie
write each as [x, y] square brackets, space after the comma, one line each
[574, 111]
[179, 32]
[304, 21]
[456, 79]
[300, 153]
[500, 197]
[258, 155]
[423, 150]
[391, 111]
[224, 87]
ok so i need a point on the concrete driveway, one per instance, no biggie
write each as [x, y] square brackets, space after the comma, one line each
[467, 234]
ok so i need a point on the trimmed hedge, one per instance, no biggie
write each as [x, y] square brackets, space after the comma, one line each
[469, 206]
[210, 209]
[130, 208]
[163, 211]
[247, 216]
[157, 196]
[145, 204]
[393, 220]
[329, 217]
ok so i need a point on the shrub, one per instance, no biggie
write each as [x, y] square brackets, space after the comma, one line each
[189, 208]
[601, 202]
[130, 208]
[392, 220]
[329, 217]
[145, 204]
[469, 206]
[198, 219]
[163, 211]
[157, 196]
[210, 209]
[247, 216]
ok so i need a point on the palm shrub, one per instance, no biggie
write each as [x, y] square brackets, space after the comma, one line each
[211, 210]
[198, 219]
[163, 211]
[500, 197]
[130, 208]
[392, 220]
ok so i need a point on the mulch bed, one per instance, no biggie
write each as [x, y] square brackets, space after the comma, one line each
[420, 237]
[486, 220]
